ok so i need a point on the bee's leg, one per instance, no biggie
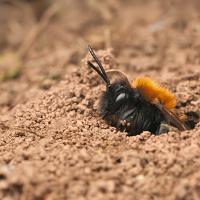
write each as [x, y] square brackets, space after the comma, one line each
[165, 128]
[123, 125]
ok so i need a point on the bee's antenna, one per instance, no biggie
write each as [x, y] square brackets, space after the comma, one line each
[101, 72]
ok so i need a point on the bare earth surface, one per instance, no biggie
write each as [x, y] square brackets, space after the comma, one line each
[53, 144]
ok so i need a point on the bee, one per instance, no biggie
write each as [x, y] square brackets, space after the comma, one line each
[142, 105]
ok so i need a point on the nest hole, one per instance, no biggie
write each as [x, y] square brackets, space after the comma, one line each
[192, 119]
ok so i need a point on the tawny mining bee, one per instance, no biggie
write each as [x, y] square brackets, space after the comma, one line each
[135, 107]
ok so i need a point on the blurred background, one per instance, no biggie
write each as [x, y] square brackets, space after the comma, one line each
[42, 41]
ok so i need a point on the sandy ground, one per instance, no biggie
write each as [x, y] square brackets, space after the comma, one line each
[53, 144]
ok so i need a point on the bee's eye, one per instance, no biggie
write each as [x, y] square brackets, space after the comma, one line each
[121, 97]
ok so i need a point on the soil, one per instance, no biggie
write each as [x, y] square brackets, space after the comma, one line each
[53, 144]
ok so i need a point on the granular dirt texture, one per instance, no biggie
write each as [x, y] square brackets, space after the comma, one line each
[57, 147]
[54, 145]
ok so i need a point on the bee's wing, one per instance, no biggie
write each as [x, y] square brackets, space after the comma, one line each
[171, 117]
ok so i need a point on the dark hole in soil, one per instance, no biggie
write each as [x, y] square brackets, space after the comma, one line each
[2, 177]
[18, 187]
[192, 119]
[118, 160]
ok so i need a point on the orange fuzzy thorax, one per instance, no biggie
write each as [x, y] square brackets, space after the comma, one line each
[152, 92]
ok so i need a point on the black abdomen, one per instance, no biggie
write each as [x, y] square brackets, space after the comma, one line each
[144, 117]
[133, 115]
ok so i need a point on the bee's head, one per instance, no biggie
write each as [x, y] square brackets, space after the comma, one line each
[117, 76]
[118, 88]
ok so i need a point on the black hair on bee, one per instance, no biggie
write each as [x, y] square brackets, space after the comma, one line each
[137, 107]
